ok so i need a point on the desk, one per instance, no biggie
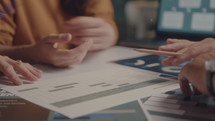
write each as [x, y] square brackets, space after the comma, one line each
[13, 108]
[19, 109]
[93, 61]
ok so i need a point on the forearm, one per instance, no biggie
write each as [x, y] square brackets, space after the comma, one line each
[22, 52]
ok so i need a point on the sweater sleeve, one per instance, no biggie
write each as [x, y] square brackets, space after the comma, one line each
[103, 9]
[7, 21]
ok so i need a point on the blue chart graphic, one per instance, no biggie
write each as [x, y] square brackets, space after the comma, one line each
[151, 63]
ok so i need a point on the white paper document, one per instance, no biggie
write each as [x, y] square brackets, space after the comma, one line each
[82, 94]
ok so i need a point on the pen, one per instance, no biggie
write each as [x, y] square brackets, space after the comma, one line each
[158, 52]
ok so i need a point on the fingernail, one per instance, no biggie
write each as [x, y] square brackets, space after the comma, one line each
[39, 75]
[18, 82]
[40, 71]
[66, 37]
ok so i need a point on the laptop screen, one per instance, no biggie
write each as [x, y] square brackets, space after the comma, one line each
[191, 17]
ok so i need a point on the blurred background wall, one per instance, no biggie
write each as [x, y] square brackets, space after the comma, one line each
[136, 19]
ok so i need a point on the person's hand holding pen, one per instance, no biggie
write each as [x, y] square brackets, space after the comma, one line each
[192, 77]
[189, 49]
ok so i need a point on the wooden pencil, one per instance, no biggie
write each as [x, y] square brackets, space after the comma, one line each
[158, 52]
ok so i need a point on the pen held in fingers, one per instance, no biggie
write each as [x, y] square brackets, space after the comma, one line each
[158, 52]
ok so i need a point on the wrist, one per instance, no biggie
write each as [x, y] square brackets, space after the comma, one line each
[17, 52]
[31, 54]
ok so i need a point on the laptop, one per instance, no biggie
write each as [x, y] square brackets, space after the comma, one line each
[182, 19]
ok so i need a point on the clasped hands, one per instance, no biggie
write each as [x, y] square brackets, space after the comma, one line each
[84, 33]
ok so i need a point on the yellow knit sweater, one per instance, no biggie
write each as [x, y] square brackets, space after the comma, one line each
[24, 22]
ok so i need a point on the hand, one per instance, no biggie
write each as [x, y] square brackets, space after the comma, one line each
[194, 73]
[12, 68]
[45, 51]
[189, 49]
[193, 76]
[91, 28]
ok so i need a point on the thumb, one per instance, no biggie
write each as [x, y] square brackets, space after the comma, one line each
[58, 38]
[184, 84]
[85, 46]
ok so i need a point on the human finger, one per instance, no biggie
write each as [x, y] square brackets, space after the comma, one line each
[83, 22]
[98, 46]
[20, 68]
[9, 71]
[171, 41]
[80, 40]
[89, 32]
[184, 85]
[172, 47]
[190, 53]
[98, 43]
[175, 44]
[168, 61]
[195, 90]
[58, 38]
[35, 71]
[73, 56]
[80, 52]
